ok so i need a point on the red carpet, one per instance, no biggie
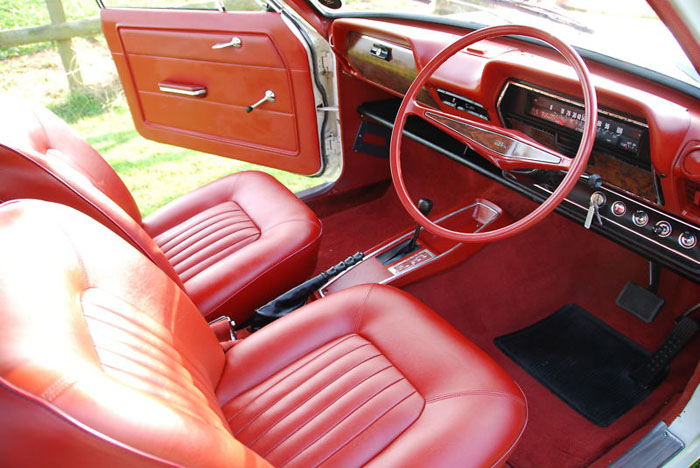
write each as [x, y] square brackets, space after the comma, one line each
[513, 283]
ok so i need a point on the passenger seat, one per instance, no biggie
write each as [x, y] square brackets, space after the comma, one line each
[232, 245]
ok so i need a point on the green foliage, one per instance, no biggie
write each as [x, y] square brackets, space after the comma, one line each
[24, 13]
[89, 103]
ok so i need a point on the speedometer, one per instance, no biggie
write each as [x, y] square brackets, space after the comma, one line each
[611, 131]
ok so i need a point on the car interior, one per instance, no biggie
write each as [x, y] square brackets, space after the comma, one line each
[499, 267]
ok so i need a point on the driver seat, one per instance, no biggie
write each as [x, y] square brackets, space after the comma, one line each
[232, 245]
[105, 361]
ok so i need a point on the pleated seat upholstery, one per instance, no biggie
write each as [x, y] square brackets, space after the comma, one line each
[206, 238]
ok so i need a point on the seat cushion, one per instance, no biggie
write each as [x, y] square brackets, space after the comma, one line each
[369, 375]
[237, 242]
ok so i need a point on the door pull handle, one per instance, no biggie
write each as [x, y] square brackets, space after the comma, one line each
[183, 89]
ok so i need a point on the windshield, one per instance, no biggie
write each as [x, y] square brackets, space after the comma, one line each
[628, 30]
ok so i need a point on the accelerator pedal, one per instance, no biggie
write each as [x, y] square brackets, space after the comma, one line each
[656, 367]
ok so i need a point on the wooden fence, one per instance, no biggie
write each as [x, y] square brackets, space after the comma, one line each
[60, 31]
[49, 32]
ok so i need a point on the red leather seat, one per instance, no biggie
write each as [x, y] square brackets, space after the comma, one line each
[232, 245]
[105, 361]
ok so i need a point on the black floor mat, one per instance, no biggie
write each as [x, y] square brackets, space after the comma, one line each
[582, 360]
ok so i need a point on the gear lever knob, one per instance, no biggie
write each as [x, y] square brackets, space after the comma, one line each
[425, 205]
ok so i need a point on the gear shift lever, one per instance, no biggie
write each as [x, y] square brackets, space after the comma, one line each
[424, 206]
[409, 245]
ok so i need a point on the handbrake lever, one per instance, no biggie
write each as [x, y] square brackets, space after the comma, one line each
[298, 295]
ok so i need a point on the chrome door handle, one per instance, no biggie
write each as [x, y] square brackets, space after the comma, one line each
[235, 42]
[269, 96]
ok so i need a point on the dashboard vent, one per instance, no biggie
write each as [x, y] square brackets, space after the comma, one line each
[566, 145]
[463, 104]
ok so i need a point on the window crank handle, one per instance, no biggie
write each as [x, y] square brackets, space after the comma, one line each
[235, 42]
[269, 96]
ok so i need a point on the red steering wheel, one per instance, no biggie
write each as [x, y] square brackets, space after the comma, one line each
[503, 147]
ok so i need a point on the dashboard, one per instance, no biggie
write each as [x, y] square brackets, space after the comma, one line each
[647, 147]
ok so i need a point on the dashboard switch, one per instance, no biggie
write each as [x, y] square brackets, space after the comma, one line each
[640, 218]
[618, 208]
[663, 229]
[687, 240]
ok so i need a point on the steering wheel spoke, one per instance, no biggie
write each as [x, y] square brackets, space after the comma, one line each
[506, 149]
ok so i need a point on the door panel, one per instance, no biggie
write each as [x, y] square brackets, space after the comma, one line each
[175, 47]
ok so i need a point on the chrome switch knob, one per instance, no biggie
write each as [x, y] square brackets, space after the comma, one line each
[640, 218]
[663, 229]
[687, 240]
[618, 208]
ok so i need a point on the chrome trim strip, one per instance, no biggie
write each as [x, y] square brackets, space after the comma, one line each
[408, 235]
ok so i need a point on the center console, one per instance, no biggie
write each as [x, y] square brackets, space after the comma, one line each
[431, 255]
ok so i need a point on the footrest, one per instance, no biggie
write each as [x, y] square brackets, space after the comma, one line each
[640, 302]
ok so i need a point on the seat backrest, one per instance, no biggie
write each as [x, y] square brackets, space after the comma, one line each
[42, 158]
[31, 128]
[103, 358]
